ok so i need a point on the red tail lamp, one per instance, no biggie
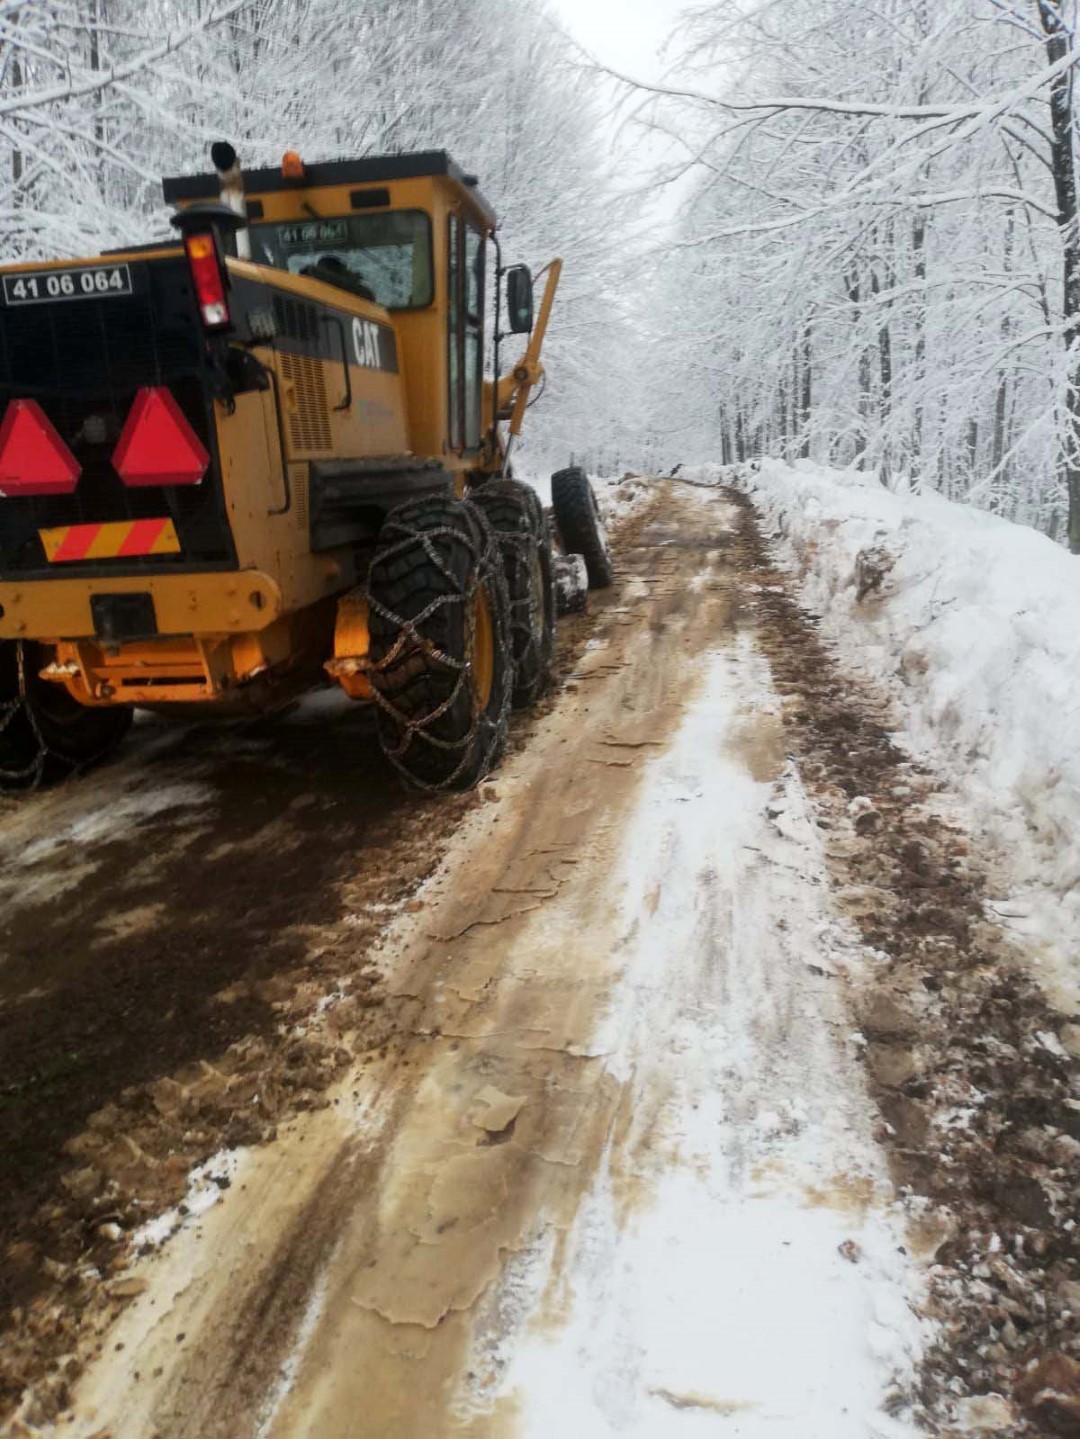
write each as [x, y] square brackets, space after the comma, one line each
[208, 277]
[33, 458]
[157, 445]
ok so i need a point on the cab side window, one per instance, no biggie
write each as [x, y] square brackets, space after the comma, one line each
[454, 333]
[465, 334]
[474, 336]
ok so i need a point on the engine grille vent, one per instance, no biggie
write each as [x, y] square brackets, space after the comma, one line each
[309, 422]
[296, 320]
[301, 499]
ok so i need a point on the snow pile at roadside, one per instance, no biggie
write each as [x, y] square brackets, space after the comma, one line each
[974, 623]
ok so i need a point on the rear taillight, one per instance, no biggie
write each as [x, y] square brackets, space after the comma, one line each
[208, 277]
[157, 445]
[33, 458]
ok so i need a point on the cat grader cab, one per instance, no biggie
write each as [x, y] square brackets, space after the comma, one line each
[271, 455]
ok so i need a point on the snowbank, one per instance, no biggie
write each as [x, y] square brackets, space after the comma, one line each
[974, 625]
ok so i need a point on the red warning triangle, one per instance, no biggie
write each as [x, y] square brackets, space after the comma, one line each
[157, 445]
[33, 458]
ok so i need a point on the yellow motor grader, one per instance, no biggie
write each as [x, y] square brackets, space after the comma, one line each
[274, 454]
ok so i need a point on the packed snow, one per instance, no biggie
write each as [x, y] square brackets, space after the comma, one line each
[758, 1287]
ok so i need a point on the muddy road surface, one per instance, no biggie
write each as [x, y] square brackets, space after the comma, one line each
[673, 1083]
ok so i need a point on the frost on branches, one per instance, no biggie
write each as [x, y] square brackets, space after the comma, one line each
[100, 98]
[879, 263]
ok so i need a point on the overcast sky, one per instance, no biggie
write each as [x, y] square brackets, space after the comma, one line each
[628, 35]
[625, 34]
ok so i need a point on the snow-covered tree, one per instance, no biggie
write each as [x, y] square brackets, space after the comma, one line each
[878, 263]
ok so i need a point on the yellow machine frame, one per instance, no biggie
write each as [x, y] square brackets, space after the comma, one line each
[277, 612]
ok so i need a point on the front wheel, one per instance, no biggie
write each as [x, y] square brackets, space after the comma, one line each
[440, 660]
[45, 735]
[580, 525]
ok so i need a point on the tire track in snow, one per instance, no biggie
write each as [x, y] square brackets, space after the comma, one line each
[445, 1198]
[736, 1266]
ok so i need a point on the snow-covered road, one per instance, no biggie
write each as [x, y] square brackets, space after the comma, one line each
[671, 1101]
[736, 1266]
[616, 1172]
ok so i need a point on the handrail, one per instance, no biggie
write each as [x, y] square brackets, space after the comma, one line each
[346, 403]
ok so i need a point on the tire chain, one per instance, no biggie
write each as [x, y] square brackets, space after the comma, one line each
[32, 775]
[409, 637]
[30, 778]
[522, 545]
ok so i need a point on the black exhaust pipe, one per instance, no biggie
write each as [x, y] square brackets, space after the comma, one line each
[231, 181]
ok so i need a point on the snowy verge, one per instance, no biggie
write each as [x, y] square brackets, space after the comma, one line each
[973, 623]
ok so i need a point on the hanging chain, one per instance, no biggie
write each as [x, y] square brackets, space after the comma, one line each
[527, 611]
[30, 776]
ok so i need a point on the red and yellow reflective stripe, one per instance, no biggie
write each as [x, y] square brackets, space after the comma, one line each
[123, 539]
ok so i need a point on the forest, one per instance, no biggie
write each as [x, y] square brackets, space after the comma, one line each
[875, 262]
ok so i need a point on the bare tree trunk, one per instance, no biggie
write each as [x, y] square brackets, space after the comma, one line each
[1000, 440]
[96, 20]
[918, 245]
[885, 372]
[854, 294]
[806, 395]
[1059, 43]
[725, 436]
[16, 153]
[1001, 431]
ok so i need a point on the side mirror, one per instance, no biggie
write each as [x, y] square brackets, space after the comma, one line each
[519, 299]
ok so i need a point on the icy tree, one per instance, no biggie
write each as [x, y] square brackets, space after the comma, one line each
[878, 263]
[83, 83]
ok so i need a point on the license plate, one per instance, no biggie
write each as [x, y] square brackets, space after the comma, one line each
[88, 282]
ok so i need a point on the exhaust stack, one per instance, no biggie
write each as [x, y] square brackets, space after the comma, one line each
[231, 180]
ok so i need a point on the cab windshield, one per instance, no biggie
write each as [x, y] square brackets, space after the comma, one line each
[384, 257]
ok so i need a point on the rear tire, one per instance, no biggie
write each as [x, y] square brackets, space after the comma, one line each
[45, 735]
[441, 665]
[521, 529]
[580, 526]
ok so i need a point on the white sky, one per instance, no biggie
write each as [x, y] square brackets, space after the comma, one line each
[628, 35]
[625, 34]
